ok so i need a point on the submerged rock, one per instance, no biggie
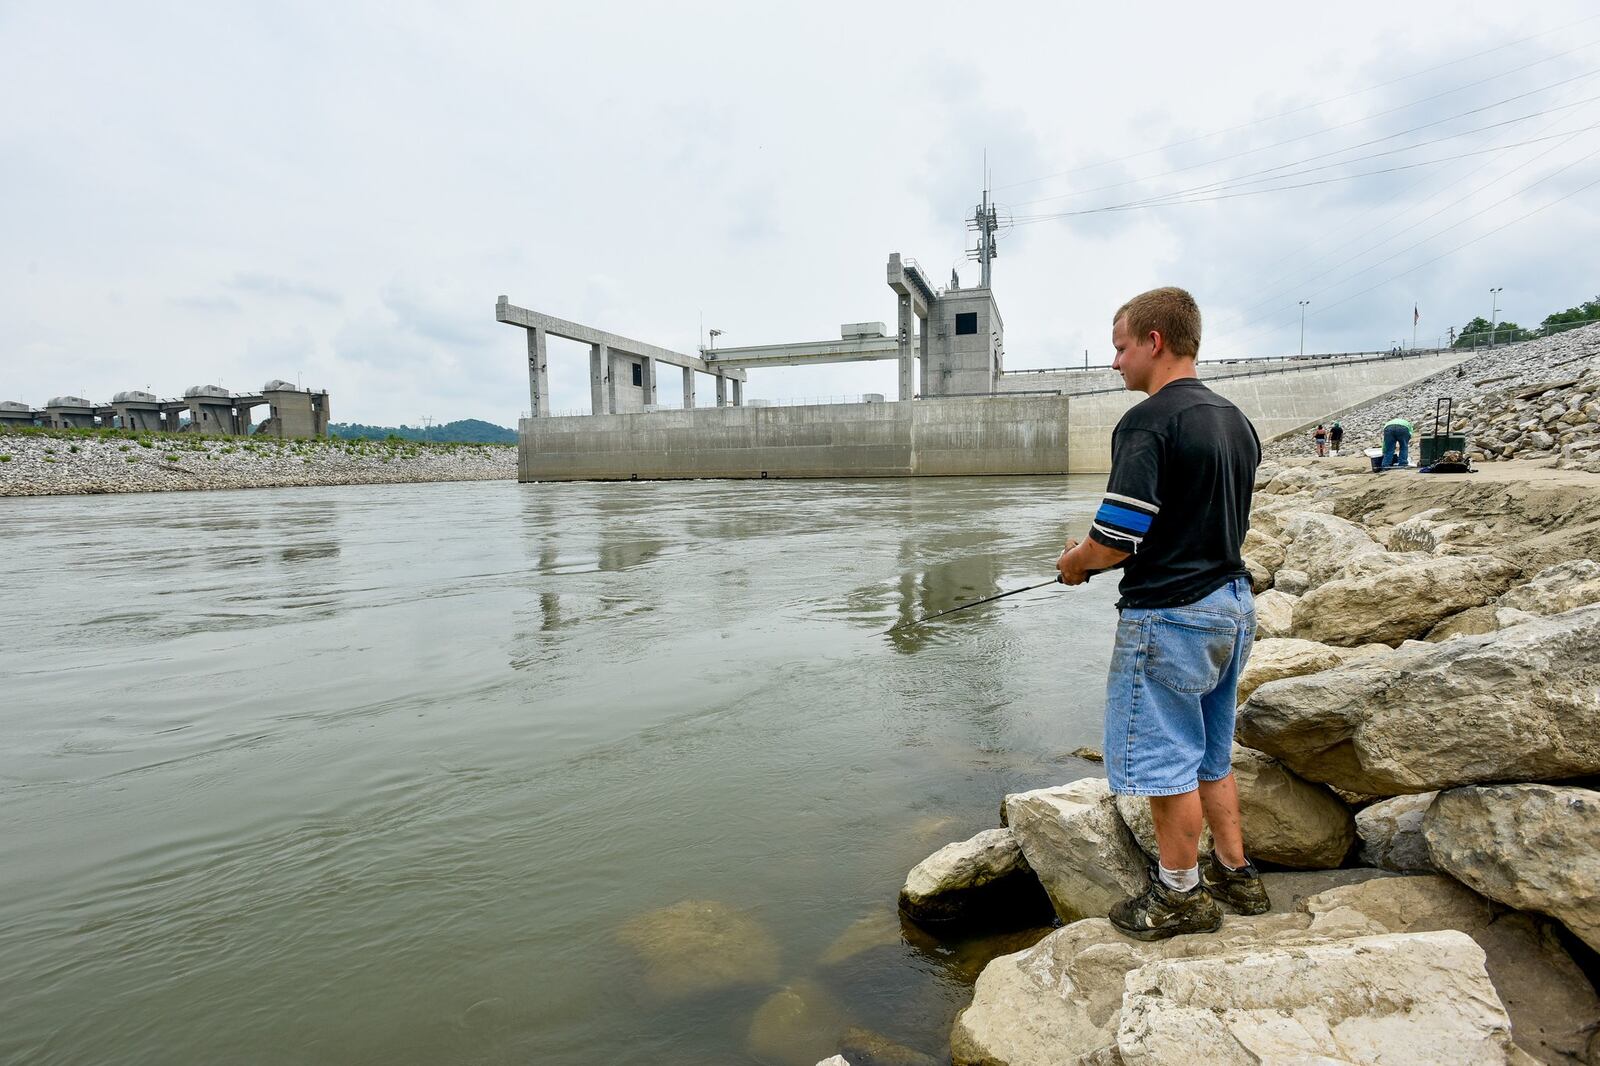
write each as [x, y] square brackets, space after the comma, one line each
[1533, 847]
[867, 1048]
[1517, 705]
[796, 1025]
[700, 946]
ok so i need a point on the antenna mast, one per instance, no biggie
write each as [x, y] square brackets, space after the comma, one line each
[984, 222]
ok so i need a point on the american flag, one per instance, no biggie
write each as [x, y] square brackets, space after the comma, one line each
[1416, 316]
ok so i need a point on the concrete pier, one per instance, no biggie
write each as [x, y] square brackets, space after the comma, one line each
[622, 371]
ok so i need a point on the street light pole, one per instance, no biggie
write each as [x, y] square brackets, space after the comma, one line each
[1494, 309]
[1303, 304]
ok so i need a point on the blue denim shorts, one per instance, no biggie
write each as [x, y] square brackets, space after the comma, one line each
[1170, 697]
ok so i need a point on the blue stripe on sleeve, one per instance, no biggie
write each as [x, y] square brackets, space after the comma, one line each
[1137, 521]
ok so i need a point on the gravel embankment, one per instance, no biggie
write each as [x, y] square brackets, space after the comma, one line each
[1539, 399]
[43, 463]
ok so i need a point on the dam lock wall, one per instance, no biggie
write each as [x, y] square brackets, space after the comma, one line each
[949, 437]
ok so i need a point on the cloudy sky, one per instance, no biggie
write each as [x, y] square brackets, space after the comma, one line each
[228, 193]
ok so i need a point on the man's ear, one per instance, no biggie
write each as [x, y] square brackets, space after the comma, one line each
[1157, 342]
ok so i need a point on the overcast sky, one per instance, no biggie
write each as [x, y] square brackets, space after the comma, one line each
[228, 193]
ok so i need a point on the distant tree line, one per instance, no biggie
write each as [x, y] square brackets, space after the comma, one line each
[1480, 330]
[464, 431]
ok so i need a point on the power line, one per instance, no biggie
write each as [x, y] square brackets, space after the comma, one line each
[1464, 244]
[1283, 286]
[1241, 180]
[1246, 328]
[1138, 205]
[1310, 107]
[1324, 155]
[1242, 314]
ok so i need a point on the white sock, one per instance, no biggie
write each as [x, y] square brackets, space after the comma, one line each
[1180, 880]
[1232, 869]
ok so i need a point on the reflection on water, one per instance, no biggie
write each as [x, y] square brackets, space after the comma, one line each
[381, 773]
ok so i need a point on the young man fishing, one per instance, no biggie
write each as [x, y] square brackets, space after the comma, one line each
[1174, 516]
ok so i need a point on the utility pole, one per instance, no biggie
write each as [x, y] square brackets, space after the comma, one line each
[427, 425]
[1303, 305]
[1494, 309]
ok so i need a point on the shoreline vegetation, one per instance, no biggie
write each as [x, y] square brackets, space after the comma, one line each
[56, 462]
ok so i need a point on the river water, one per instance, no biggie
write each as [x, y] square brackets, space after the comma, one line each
[376, 774]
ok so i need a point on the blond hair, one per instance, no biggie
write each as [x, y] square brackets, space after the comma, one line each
[1169, 311]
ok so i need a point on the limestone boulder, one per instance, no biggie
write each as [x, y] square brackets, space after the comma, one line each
[1516, 705]
[700, 946]
[1077, 845]
[1263, 555]
[1266, 471]
[1322, 544]
[983, 879]
[1295, 583]
[1287, 820]
[1273, 659]
[1274, 614]
[1555, 589]
[1060, 1000]
[1269, 512]
[1400, 603]
[1374, 563]
[1474, 620]
[1434, 532]
[1391, 833]
[1533, 847]
[1293, 479]
[1421, 998]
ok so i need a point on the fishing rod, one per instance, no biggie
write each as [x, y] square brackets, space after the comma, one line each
[987, 599]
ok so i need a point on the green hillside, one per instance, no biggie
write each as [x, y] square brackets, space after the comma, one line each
[465, 431]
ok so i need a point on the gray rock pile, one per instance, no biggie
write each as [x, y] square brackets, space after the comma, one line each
[1536, 399]
[42, 464]
[1436, 792]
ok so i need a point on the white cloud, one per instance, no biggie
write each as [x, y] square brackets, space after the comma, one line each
[200, 193]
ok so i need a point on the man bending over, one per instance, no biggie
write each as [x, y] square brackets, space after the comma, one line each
[1175, 512]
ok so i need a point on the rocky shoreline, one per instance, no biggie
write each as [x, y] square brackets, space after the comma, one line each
[1417, 748]
[80, 462]
[1531, 400]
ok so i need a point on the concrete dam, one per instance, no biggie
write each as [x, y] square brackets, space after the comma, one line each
[958, 411]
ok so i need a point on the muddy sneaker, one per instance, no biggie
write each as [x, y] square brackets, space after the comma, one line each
[1239, 889]
[1159, 912]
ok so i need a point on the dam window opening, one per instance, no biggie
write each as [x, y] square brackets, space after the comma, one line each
[966, 322]
[638, 374]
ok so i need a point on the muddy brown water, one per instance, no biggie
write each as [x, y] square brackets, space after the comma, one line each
[377, 774]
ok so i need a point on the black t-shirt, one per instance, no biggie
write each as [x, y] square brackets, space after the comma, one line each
[1183, 464]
